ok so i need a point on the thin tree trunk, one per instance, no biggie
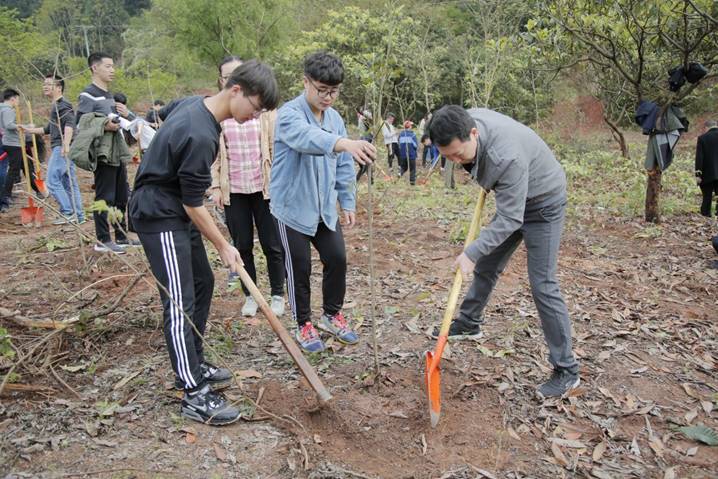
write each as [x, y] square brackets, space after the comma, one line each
[653, 192]
[618, 136]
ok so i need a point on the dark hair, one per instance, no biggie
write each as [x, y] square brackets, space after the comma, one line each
[9, 93]
[324, 67]
[96, 58]
[256, 78]
[58, 80]
[424, 137]
[227, 59]
[159, 103]
[449, 122]
[120, 97]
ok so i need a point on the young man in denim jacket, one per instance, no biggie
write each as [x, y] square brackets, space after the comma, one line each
[312, 171]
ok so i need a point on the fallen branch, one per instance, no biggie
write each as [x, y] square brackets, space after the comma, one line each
[112, 307]
[67, 386]
[29, 353]
[17, 318]
[25, 388]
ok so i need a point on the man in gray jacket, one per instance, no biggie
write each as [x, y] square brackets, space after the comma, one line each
[13, 147]
[530, 190]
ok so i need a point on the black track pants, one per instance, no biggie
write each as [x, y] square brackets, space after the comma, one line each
[298, 263]
[179, 262]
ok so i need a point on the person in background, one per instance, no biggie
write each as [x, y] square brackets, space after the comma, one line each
[240, 185]
[390, 139]
[111, 183]
[61, 173]
[706, 166]
[407, 151]
[12, 144]
[430, 151]
[153, 117]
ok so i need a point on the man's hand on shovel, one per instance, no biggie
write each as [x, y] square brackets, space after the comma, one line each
[231, 258]
[465, 265]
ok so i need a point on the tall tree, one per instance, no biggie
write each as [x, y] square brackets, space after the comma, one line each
[637, 42]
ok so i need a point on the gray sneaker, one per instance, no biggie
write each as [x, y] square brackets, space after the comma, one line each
[250, 307]
[277, 305]
[109, 247]
[208, 407]
[128, 243]
[63, 220]
[562, 381]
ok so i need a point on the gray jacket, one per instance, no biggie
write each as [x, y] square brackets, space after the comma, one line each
[517, 164]
[8, 126]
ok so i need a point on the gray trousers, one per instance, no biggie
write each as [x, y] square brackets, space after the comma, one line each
[541, 232]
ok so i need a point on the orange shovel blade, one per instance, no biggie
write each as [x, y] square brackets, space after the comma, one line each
[31, 213]
[41, 186]
[433, 380]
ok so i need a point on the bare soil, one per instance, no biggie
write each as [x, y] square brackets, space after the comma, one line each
[642, 300]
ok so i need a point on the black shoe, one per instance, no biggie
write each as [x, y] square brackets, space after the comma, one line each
[208, 407]
[460, 331]
[214, 376]
[562, 381]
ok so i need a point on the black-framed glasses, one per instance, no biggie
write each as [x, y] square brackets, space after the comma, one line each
[257, 110]
[325, 92]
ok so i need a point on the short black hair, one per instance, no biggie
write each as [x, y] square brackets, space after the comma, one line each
[159, 103]
[58, 80]
[227, 59]
[449, 122]
[9, 93]
[324, 67]
[96, 58]
[424, 137]
[120, 97]
[256, 78]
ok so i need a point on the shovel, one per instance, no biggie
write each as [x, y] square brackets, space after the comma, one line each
[39, 182]
[304, 367]
[433, 373]
[31, 213]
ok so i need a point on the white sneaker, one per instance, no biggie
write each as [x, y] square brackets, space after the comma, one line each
[277, 305]
[250, 307]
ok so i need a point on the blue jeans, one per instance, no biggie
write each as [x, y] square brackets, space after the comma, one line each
[63, 186]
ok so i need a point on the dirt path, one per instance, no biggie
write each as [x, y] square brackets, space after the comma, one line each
[643, 304]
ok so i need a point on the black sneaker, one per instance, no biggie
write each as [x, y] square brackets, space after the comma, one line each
[562, 381]
[208, 407]
[216, 377]
[459, 331]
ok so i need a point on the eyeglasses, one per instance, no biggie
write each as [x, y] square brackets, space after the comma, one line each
[257, 110]
[324, 92]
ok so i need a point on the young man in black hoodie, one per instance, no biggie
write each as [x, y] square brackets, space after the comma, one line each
[168, 213]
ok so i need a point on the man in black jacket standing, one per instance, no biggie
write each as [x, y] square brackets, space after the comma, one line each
[168, 213]
[707, 165]
[110, 180]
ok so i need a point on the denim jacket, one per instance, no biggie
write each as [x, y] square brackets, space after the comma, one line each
[308, 178]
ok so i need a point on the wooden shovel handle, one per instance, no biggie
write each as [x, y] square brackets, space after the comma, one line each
[35, 155]
[21, 134]
[289, 344]
[458, 277]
